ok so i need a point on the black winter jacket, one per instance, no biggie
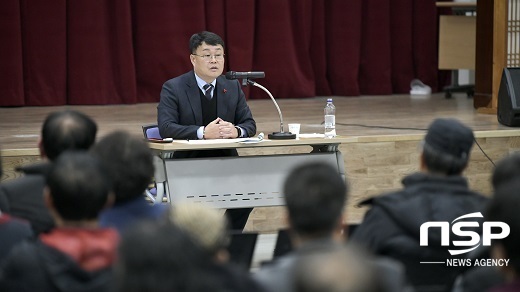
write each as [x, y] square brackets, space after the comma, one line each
[392, 226]
[35, 266]
[23, 197]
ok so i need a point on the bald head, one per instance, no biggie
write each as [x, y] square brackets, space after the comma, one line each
[67, 130]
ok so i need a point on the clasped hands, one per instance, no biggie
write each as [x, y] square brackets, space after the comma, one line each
[220, 129]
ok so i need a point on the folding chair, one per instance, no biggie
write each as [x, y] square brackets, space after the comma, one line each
[241, 248]
[151, 131]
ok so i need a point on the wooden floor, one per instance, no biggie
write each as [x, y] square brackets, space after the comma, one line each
[356, 116]
[387, 128]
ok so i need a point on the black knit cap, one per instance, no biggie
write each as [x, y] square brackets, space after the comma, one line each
[450, 136]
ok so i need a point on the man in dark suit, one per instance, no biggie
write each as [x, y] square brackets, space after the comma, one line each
[203, 104]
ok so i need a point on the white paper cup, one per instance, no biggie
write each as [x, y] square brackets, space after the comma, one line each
[294, 128]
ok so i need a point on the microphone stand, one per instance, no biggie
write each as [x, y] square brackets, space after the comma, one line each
[275, 135]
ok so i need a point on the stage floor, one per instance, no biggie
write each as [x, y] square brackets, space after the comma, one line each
[385, 132]
[355, 116]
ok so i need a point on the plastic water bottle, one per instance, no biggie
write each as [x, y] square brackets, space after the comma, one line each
[330, 119]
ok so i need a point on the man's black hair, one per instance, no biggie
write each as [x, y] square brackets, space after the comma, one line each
[207, 37]
[129, 163]
[160, 257]
[78, 186]
[315, 195]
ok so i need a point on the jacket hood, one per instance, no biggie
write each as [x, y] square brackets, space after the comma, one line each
[91, 249]
[66, 275]
[79, 259]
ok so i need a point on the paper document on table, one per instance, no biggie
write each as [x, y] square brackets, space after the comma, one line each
[222, 141]
[313, 135]
[209, 141]
[253, 140]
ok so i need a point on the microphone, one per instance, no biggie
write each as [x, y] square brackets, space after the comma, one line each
[276, 135]
[244, 75]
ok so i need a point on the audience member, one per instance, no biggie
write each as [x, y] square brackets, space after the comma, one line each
[207, 226]
[76, 255]
[479, 279]
[504, 207]
[203, 104]
[12, 231]
[162, 257]
[438, 193]
[315, 195]
[339, 269]
[129, 164]
[62, 130]
[507, 169]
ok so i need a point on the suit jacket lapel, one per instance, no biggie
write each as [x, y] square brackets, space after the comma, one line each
[193, 96]
[222, 99]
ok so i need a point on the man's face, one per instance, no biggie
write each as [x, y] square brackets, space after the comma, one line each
[208, 61]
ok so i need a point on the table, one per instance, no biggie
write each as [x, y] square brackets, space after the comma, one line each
[235, 182]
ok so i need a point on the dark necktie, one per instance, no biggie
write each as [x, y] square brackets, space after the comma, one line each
[207, 90]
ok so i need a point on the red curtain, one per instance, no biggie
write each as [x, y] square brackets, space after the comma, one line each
[122, 51]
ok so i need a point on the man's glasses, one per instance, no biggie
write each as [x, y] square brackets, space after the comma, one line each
[209, 58]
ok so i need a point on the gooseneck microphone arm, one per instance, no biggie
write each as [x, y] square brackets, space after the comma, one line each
[276, 135]
[246, 79]
[249, 81]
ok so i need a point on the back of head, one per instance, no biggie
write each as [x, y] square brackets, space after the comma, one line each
[504, 207]
[207, 37]
[506, 170]
[447, 146]
[339, 269]
[161, 257]
[129, 163]
[205, 225]
[67, 130]
[315, 195]
[78, 186]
